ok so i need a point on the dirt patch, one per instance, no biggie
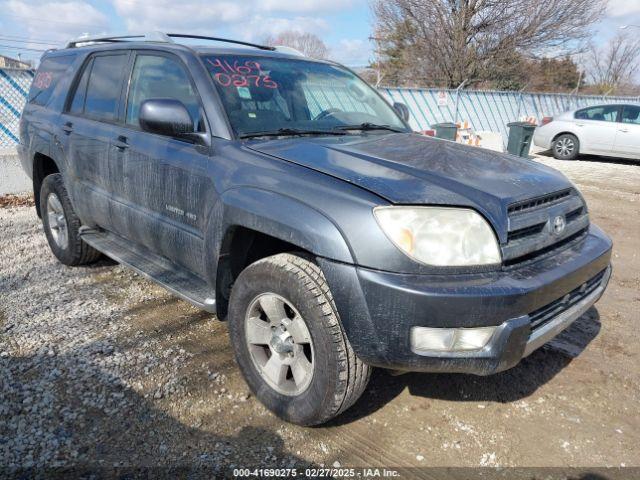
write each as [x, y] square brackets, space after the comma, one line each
[100, 367]
[23, 200]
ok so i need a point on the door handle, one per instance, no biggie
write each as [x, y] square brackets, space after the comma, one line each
[67, 128]
[623, 130]
[121, 142]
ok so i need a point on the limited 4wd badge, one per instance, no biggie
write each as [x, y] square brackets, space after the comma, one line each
[182, 213]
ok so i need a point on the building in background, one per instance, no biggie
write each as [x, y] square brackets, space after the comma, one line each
[8, 62]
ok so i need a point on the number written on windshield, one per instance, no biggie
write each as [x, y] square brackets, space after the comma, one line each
[239, 74]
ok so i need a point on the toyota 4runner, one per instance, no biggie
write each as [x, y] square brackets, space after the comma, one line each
[288, 197]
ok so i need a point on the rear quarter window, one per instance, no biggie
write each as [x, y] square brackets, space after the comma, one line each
[51, 70]
[104, 86]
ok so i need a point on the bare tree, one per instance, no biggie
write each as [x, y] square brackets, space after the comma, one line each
[308, 43]
[449, 41]
[613, 66]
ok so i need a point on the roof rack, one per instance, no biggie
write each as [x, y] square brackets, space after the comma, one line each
[154, 37]
[90, 39]
[289, 50]
[218, 39]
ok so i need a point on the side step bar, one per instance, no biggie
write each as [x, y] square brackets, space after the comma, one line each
[172, 277]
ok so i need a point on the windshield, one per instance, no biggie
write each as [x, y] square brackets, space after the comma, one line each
[265, 95]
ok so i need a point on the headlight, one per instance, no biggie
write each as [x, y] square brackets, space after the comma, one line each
[440, 236]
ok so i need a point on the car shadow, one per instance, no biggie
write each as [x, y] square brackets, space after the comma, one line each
[591, 158]
[66, 416]
[511, 385]
[103, 261]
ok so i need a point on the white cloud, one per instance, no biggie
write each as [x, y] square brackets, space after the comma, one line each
[195, 16]
[352, 52]
[259, 27]
[55, 21]
[306, 6]
[252, 18]
[623, 8]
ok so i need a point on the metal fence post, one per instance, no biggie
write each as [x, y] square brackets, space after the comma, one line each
[455, 115]
[520, 96]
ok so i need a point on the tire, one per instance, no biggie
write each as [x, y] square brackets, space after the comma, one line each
[338, 377]
[61, 224]
[566, 147]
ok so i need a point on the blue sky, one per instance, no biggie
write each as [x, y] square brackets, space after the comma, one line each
[344, 25]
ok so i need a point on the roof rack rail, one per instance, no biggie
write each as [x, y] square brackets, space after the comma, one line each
[146, 37]
[218, 39]
[289, 50]
[155, 37]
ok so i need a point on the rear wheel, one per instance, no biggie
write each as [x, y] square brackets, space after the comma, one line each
[566, 147]
[62, 225]
[289, 343]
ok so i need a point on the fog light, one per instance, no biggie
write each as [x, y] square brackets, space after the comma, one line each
[425, 339]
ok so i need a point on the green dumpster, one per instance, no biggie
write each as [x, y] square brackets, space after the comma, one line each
[447, 131]
[520, 135]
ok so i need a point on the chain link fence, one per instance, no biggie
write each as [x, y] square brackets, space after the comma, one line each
[488, 110]
[14, 88]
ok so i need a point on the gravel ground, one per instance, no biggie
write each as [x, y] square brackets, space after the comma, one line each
[100, 368]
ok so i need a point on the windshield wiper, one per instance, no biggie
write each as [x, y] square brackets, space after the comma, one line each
[290, 132]
[369, 126]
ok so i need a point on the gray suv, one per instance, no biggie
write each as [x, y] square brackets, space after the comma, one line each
[288, 197]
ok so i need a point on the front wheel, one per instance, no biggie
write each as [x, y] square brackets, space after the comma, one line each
[289, 343]
[566, 147]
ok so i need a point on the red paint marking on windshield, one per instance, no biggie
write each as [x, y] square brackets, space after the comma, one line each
[244, 74]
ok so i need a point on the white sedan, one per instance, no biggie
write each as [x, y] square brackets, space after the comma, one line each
[610, 130]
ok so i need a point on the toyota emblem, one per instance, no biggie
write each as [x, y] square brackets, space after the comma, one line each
[559, 224]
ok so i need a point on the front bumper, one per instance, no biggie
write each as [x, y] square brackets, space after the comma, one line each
[530, 304]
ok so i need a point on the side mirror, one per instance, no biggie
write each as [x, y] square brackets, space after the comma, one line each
[402, 110]
[165, 116]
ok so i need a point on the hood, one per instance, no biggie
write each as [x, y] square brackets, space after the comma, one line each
[417, 170]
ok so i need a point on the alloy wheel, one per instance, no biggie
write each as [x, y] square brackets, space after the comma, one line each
[279, 343]
[565, 147]
[57, 221]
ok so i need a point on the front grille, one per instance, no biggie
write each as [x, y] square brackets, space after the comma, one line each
[533, 225]
[545, 252]
[537, 202]
[526, 231]
[544, 315]
[571, 216]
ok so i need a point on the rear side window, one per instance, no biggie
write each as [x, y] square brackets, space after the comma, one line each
[49, 73]
[607, 113]
[104, 86]
[77, 105]
[631, 114]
